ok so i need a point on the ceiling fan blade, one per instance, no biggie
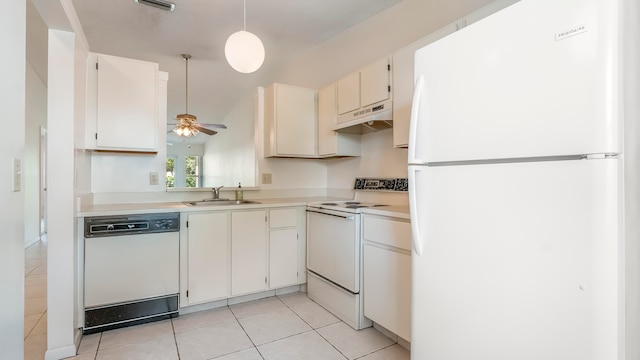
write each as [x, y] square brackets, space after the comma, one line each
[216, 126]
[205, 130]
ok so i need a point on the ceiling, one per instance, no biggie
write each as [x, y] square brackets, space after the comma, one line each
[201, 27]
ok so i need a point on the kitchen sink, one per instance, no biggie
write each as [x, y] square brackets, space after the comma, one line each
[214, 202]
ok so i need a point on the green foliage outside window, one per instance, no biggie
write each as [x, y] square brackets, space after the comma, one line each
[170, 173]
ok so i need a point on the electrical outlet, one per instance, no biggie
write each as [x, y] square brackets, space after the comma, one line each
[266, 178]
[153, 178]
[16, 171]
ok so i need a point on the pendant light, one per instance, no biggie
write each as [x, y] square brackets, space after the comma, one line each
[244, 50]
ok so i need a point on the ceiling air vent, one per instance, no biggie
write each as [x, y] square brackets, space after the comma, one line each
[160, 4]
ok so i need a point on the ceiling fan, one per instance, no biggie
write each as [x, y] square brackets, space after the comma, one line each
[187, 124]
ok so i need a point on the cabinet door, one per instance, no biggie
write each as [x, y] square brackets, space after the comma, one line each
[208, 257]
[375, 82]
[332, 143]
[283, 257]
[403, 82]
[327, 119]
[349, 93]
[127, 104]
[248, 252]
[387, 289]
[295, 114]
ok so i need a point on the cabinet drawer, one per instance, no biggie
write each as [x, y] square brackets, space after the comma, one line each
[396, 233]
[283, 218]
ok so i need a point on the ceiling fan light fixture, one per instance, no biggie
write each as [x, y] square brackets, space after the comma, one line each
[160, 4]
[244, 50]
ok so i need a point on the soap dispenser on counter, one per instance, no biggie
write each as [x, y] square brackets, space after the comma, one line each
[239, 192]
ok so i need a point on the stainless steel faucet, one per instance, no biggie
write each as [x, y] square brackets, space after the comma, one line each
[216, 192]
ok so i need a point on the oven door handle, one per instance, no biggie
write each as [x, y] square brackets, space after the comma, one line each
[351, 217]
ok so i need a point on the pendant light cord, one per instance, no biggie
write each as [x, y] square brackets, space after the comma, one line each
[186, 58]
[245, 14]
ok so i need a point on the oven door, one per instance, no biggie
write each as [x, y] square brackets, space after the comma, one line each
[333, 247]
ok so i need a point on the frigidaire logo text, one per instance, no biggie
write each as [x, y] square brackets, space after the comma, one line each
[575, 31]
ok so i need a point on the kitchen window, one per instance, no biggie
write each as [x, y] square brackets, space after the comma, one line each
[184, 172]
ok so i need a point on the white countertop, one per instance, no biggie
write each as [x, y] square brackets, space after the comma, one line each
[397, 211]
[141, 208]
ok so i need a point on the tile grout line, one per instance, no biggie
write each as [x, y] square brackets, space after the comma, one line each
[175, 340]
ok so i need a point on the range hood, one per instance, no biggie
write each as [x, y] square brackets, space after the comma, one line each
[378, 116]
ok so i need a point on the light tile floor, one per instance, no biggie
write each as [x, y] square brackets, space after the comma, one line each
[283, 327]
[35, 300]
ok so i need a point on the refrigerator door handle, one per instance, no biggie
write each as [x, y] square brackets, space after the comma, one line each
[413, 211]
[413, 124]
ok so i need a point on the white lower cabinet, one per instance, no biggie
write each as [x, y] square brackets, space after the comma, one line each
[233, 253]
[283, 247]
[248, 249]
[208, 257]
[387, 273]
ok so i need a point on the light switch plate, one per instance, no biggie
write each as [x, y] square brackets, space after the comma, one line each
[16, 171]
[153, 178]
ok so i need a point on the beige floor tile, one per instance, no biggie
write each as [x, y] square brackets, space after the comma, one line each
[257, 307]
[249, 354]
[201, 319]
[41, 325]
[29, 322]
[33, 262]
[35, 346]
[274, 325]
[307, 346]
[294, 298]
[212, 341]
[352, 343]
[42, 269]
[158, 348]
[35, 291]
[314, 314]
[34, 280]
[137, 333]
[89, 343]
[394, 352]
[35, 306]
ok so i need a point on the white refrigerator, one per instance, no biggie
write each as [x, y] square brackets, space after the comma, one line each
[515, 184]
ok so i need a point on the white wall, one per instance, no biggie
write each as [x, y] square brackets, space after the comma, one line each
[36, 118]
[230, 155]
[354, 48]
[349, 51]
[12, 92]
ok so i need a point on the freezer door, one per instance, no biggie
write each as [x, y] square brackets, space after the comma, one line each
[538, 78]
[519, 261]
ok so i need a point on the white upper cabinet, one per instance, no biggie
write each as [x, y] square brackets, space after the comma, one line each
[368, 86]
[123, 103]
[349, 93]
[290, 117]
[331, 143]
[485, 11]
[375, 82]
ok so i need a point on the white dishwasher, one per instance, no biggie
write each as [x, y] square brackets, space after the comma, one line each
[131, 269]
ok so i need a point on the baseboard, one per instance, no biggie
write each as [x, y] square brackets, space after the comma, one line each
[60, 353]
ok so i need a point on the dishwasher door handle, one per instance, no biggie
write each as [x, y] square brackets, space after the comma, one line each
[349, 217]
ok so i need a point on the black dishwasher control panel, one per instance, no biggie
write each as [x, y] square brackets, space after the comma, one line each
[98, 226]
